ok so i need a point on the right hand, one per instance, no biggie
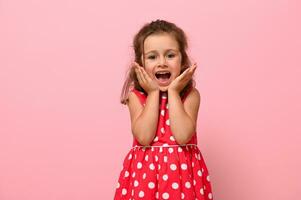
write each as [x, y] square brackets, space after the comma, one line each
[145, 81]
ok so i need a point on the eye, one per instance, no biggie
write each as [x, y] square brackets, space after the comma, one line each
[151, 57]
[171, 55]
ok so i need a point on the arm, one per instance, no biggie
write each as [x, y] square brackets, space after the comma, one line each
[144, 119]
[183, 116]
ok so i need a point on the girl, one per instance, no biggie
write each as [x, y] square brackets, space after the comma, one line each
[164, 162]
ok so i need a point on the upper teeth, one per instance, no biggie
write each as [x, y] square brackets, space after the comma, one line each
[162, 72]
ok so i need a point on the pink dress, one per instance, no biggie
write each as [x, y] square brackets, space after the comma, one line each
[165, 169]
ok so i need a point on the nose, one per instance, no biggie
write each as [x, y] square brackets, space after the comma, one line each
[162, 61]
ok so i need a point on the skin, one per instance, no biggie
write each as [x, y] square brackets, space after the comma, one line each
[183, 116]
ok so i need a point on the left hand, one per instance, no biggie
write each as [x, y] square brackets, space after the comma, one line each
[181, 81]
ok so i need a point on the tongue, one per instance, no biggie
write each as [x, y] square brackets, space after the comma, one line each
[163, 76]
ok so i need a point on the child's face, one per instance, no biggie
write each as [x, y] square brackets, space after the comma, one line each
[162, 59]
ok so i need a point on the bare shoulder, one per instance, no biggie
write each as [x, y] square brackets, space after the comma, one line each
[134, 105]
[193, 97]
[192, 103]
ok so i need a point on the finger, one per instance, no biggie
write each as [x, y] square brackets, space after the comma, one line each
[184, 73]
[136, 65]
[187, 74]
[193, 68]
[146, 76]
[138, 75]
[142, 74]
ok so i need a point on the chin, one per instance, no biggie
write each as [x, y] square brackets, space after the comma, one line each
[163, 88]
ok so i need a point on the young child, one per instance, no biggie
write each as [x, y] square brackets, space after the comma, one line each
[164, 162]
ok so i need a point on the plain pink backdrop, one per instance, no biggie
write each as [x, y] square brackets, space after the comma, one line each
[64, 134]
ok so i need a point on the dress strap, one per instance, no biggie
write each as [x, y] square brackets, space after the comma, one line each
[141, 95]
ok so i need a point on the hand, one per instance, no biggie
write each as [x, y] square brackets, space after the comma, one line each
[147, 83]
[181, 81]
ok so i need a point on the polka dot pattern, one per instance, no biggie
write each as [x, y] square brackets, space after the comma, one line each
[165, 170]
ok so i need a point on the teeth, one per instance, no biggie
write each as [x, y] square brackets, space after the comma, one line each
[162, 72]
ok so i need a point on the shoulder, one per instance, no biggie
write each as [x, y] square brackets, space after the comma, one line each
[193, 97]
[134, 98]
[134, 105]
[192, 103]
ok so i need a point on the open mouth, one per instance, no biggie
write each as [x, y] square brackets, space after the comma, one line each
[163, 76]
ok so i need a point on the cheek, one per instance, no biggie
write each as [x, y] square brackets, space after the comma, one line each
[148, 70]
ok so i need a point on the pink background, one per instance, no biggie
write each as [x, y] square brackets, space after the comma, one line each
[63, 133]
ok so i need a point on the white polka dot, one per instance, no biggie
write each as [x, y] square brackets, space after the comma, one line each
[152, 166]
[164, 96]
[157, 195]
[182, 195]
[159, 166]
[151, 185]
[132, 192]
[133, 175]
[173, 167]
[130, 156]
[162, 130]
[180, 149]
[126, 174]
[192, 164]
[141, 194]
[146, 158]
[156, 158]
[210, 195]
[175, 186]
[156, 139]
[165, 158]
[172, 138]
[187, 185]
[202, 170]
[139, 165]
[136, 183]
[165, 177]
[170, 150]
[165, 195]
[167, 122]
[161, 149]
[167, 106]
[183, 166]
[194, 182]
[202, 191]
[200, 173]
[162, 112]
[118, 184]
[165, 145]
[124, 191]
[208, 178]
[144, 176]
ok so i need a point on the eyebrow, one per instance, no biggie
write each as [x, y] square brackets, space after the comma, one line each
[166, 50]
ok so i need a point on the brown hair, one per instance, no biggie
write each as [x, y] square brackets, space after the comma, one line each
[155, 27]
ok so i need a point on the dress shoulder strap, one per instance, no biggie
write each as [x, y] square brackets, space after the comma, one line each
[141, 95]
